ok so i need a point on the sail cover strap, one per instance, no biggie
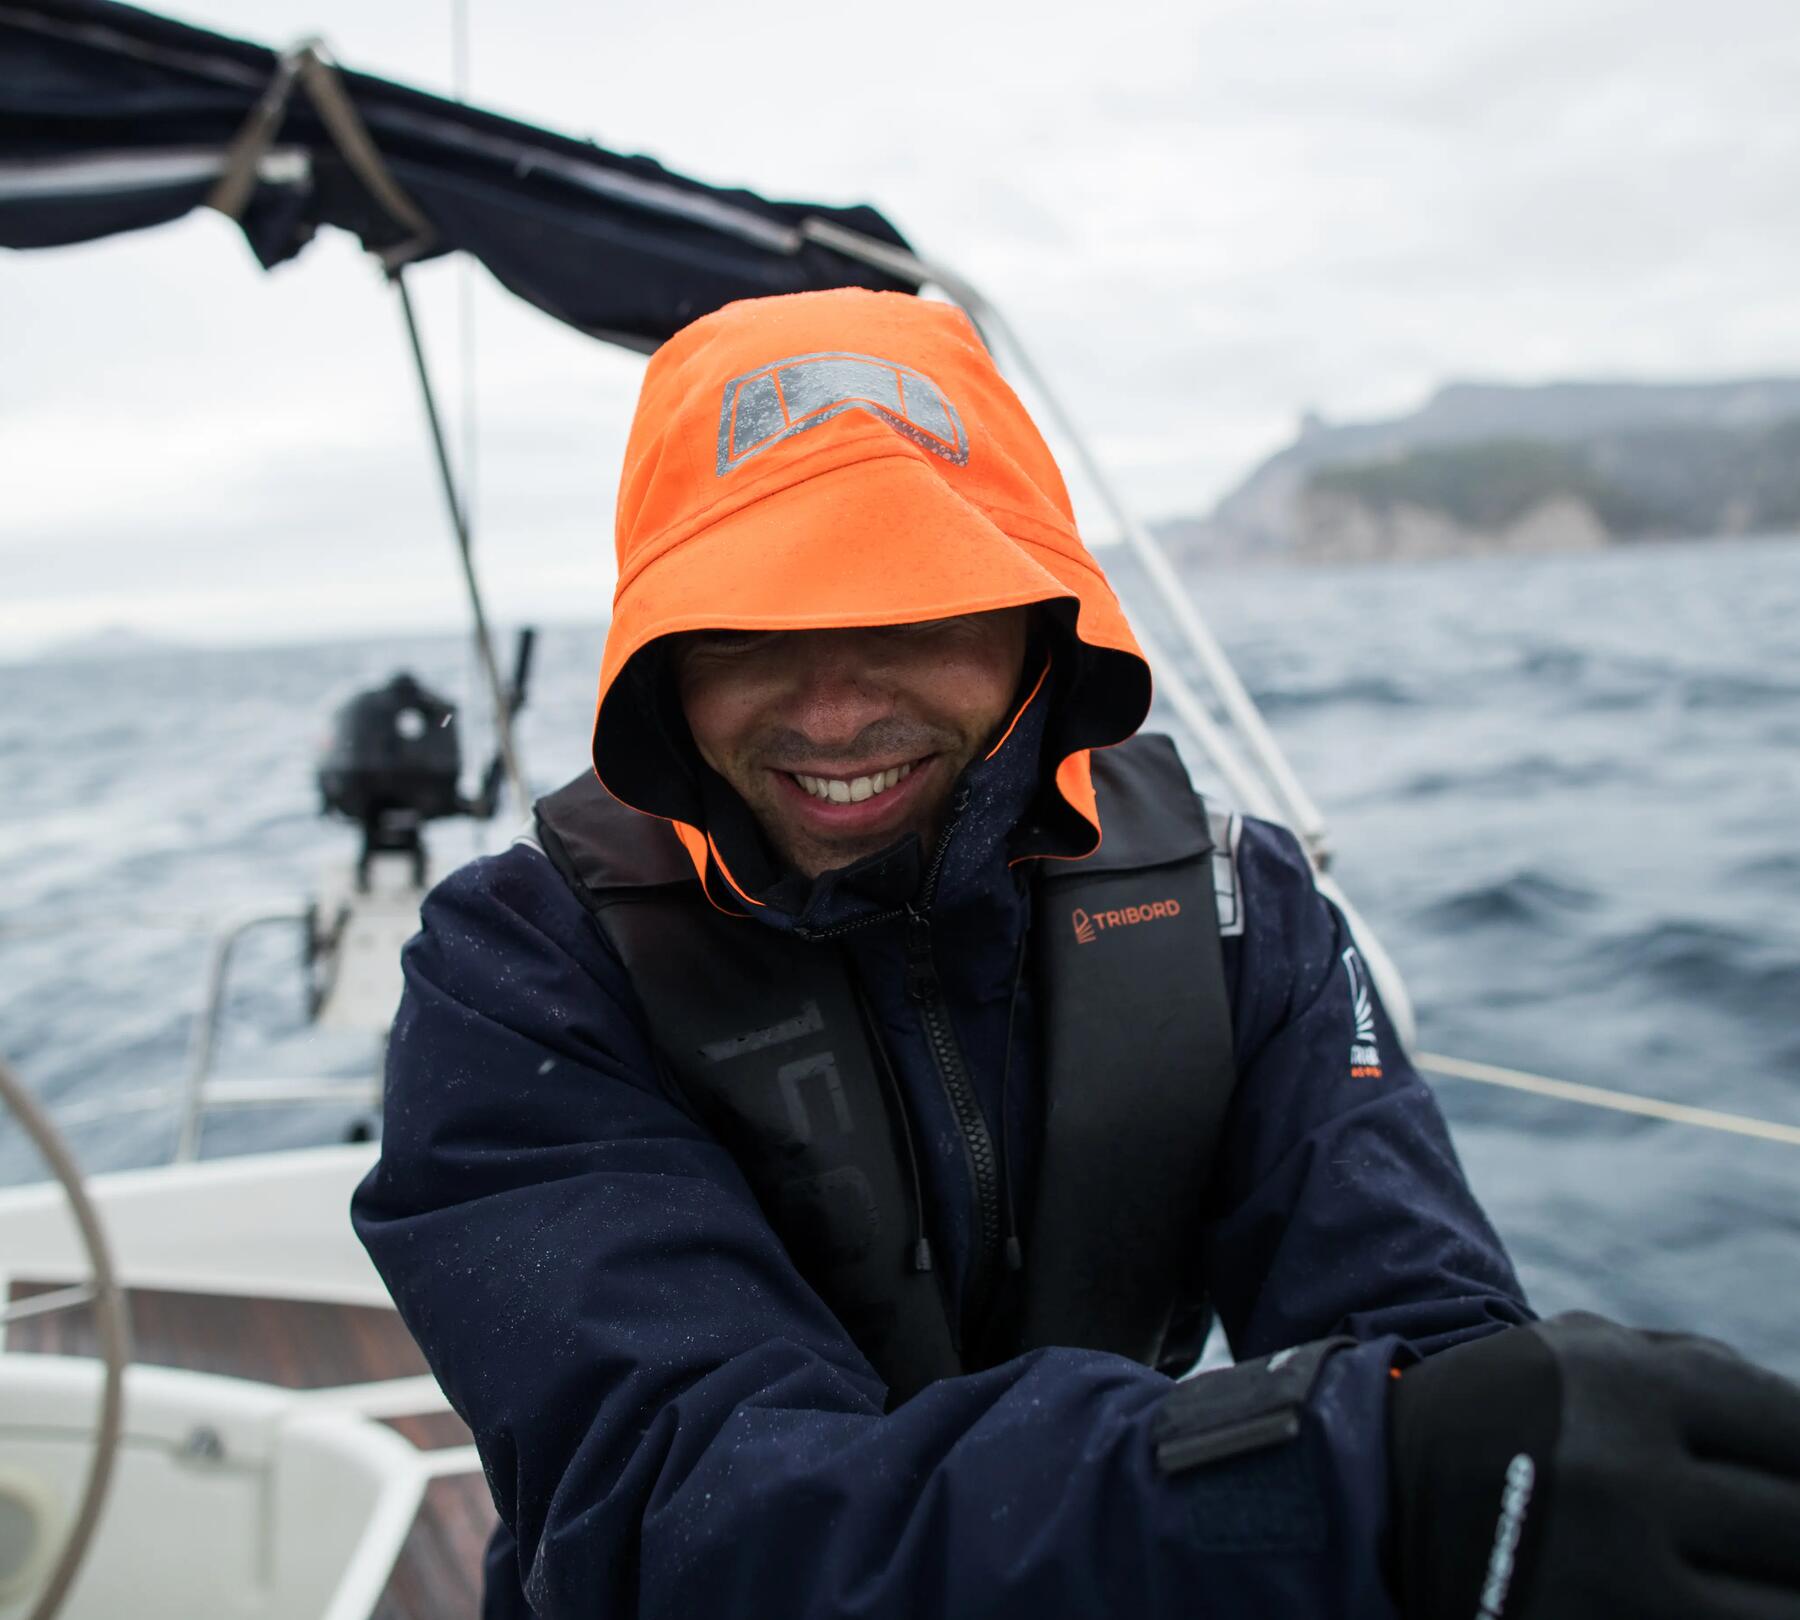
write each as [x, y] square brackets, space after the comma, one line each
[305, 64]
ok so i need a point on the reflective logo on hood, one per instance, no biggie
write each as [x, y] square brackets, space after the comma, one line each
[773, 403]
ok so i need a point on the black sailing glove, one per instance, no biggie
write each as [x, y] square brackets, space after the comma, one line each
[1579, 1470]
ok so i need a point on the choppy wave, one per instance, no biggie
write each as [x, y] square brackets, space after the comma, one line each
[1700, 963]
[1371, 691]
[1528, 774]
[1530, 899]
[1717, 689]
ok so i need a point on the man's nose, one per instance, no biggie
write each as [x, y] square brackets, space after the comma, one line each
[837, 688]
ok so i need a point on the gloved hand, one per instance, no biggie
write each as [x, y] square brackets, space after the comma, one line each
[1579, 1470]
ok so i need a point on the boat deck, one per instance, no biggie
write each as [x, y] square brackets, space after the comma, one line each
[302, 1344]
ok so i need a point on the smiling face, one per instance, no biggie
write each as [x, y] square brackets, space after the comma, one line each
[843, 741]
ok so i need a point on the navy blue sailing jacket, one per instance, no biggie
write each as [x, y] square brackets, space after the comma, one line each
[671, 1421]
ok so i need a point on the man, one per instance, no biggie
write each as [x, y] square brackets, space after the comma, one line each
[807, 1161]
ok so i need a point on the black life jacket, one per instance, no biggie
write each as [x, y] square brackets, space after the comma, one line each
[761, 1035]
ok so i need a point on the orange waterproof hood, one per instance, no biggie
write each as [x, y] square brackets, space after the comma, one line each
[835, 459]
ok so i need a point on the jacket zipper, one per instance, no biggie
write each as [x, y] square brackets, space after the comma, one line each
[924, 987]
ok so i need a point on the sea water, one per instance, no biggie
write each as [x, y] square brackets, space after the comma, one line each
[1563, 791]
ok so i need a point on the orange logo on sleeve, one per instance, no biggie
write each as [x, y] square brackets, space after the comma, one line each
[1090, 925]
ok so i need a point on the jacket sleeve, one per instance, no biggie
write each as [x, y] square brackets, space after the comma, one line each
[672, 1423]
[1339, 1205]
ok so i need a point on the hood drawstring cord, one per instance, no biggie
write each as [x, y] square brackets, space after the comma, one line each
[921, 1249]
[1015, 1250]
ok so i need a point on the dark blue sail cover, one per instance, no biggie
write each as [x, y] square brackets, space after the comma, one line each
[113, 119]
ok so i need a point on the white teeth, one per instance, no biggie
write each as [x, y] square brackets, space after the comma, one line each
[836, 790]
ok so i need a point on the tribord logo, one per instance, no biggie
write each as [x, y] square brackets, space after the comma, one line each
[1090, 925]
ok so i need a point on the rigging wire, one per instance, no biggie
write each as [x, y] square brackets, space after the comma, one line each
[469, 422]
[459, 49]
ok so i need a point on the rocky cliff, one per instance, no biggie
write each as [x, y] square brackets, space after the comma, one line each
[1493, 468]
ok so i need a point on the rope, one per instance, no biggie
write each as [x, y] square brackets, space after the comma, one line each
[237, 181]
[1621, 1102]
[305, 64]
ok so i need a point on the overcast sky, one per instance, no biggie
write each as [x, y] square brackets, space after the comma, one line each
[1205, 218]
